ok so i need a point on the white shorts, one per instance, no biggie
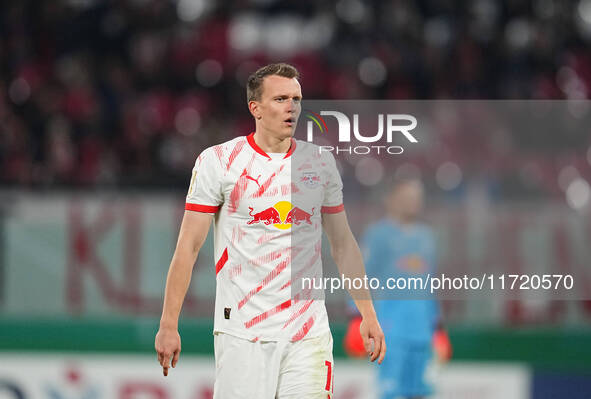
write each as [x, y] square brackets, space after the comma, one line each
[273, 369]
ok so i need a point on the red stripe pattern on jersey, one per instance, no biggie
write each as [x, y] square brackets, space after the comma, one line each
[235, 271]
[265, 315]
[299, 312]
[300, 272]
[237, 234]
[221, 262]
[302, 332]
[234, 154]
[267, 258]
[266, 237]
[240, 187]
[268, 278]
[287, 189]
[267, 183]
[219, 151]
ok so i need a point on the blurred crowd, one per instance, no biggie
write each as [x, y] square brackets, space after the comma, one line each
[126, 93]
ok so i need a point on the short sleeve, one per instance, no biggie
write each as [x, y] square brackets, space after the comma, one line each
[205, 193]
[333, 189]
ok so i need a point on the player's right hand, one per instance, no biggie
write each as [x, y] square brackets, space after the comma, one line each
[168, 346]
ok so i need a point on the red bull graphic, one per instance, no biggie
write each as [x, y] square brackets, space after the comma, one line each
[281, 215]
[267, 216]
[298, 215]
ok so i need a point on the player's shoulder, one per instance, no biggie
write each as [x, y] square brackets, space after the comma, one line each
[230, 144]
[307, 149]
[223, 148]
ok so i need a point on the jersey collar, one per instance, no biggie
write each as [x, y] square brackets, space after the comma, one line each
[250, 139]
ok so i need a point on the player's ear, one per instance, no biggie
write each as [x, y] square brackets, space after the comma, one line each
[253, 107]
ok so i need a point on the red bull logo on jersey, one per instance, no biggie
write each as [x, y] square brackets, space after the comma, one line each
[310, 179]
[297, 216]
[281, 215]
[266, 216]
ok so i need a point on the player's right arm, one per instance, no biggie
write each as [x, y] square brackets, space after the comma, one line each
[193, 232]
[203, 200]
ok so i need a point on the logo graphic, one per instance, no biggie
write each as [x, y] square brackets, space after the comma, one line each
[267, 216]
[314, 117]
[297, 216]
[254, 180]
[394, 123]
[281, 215]
[310, 179]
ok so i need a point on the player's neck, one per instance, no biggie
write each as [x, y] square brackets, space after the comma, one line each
[271, 144]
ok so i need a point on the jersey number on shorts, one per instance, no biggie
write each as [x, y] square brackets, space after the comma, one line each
[328, 376]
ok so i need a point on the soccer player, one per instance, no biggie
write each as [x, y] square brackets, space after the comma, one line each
[399, 246]
[269, 196]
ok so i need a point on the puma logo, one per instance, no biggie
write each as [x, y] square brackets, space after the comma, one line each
[254, 180]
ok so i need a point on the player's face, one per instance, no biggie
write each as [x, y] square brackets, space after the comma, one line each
[408, 199]
[280, 106]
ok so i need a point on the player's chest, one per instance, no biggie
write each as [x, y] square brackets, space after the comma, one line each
[273, 193]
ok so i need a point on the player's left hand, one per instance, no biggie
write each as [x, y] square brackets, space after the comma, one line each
[373, 338]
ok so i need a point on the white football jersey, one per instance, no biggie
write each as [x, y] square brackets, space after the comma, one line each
[267, 234]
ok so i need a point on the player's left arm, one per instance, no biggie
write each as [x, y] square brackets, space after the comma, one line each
[347, 256]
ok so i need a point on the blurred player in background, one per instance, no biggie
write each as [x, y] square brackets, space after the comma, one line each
[401, 246]
[271, 339]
